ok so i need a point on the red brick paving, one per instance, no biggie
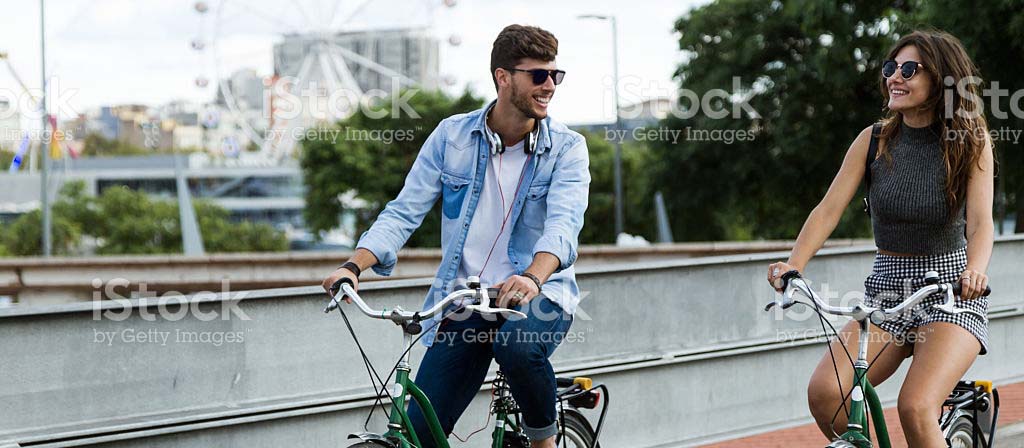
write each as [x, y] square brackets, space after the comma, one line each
[1011, 410]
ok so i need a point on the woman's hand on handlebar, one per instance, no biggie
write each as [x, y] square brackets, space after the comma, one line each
[972, 284]
[775, 271]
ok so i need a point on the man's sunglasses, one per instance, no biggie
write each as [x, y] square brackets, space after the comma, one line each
[540, 76]
[907, 69]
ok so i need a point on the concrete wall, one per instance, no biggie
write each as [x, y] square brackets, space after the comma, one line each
[49, 281]
[685, 346]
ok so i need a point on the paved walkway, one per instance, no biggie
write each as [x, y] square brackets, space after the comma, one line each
[1009, 429]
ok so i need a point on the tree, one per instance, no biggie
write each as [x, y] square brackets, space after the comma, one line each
[6, 157]
[810, 71]
[24, 236]
[993, 47]
[221, 234]
[637, 192]
[124, 221]
[372, 156]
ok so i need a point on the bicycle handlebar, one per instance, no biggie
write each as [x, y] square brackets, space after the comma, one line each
[958, 285]
[479, 295]
[793, 282]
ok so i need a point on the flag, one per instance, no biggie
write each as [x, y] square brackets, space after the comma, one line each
[22, 148]
[55, 150]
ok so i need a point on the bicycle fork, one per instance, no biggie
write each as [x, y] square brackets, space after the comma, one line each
[864, 399]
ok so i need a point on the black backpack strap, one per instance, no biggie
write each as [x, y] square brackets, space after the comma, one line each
[876, 130]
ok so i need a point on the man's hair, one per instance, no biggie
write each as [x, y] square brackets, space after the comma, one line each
[517, 42]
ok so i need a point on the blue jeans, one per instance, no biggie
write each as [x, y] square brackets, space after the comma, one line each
[454, 367]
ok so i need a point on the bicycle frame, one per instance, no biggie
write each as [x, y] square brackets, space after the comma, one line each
[399, 418]
[864, 399]
[400, 430]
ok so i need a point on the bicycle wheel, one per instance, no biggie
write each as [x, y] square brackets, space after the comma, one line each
[962, 433]
[576, 432]
[365, 445]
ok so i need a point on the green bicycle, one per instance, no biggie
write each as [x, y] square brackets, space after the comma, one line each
[573, 393]
[969, 415]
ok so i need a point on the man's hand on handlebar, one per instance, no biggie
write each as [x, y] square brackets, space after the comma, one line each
[339, 274]
[515, 291]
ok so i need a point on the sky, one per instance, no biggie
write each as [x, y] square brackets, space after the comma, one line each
[105, 52]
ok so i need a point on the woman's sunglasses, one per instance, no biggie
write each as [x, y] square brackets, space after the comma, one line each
[907, 69]
[540, 76]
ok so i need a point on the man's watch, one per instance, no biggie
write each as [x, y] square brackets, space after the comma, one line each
[534, 278]
[352, 267]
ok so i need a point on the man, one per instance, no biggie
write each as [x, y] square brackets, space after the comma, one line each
[513, 185]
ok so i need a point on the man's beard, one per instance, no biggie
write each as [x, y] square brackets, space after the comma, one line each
[522, 102]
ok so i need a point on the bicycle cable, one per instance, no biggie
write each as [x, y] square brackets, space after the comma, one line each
[370, 370]
[394, 368]
[856, 381]
[486, 424]
[835, 366]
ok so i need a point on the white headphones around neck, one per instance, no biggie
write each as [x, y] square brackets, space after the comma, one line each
[498, 147]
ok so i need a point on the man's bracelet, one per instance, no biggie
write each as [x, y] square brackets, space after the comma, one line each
[352, 267]
[534, 278]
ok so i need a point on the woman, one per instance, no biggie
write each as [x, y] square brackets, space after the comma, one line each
[931, 209]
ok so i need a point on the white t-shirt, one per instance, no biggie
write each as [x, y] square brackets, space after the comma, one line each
[495, 204]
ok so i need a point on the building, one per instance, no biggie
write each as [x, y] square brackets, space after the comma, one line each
[250, 187]
[105, 123]
[413, 53]
[10, 126]
[246, 87]
[315, 65]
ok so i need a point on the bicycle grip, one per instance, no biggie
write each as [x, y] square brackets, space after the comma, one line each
[957, 287]
[334, 292]
[783, 280]
[337, 285]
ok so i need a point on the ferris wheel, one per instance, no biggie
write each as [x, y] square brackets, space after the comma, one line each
[277, 68]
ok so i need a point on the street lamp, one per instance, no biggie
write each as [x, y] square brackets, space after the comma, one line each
[618, 121]
[44, 146]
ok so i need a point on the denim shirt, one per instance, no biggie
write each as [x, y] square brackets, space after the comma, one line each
[547, 214]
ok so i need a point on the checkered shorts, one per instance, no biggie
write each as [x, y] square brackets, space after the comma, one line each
[894, 278]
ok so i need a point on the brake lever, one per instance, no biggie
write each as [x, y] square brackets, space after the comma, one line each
[484, 304]
[487, 309]
[948, 307]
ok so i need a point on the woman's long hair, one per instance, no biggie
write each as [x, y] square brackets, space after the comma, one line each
[959, 117]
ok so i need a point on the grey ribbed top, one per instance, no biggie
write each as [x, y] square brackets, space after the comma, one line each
[909, 212]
